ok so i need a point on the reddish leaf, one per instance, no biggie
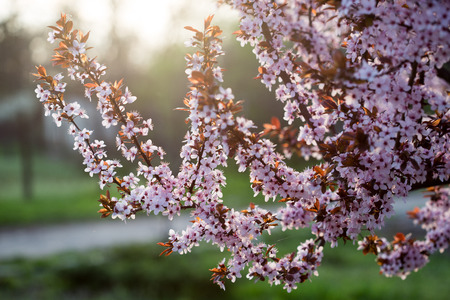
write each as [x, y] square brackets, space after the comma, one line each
[68, 26]
[216, 31]
[276, 122]
[328, 102]
[41, 71]
[208, 20]
[435, 123]
[335, 210]
[197, 77]
[398, 238]
[319, 171]
[90, 85]
[84, 37]
[105, 215]
[191, 29]
[413, 213]
[62, 20]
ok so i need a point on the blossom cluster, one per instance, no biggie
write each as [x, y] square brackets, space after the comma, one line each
[368, 68]
[361, 89]
[405, 254]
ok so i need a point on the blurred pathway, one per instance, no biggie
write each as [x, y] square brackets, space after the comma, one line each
[46, 240]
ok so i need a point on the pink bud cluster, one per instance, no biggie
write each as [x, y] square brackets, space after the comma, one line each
[358, 93]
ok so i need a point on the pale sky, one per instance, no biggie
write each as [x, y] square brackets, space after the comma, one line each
[150, 20]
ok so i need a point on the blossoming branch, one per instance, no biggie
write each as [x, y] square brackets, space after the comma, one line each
[357, 80]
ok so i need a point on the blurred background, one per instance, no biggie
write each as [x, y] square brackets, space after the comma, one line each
[51, 242]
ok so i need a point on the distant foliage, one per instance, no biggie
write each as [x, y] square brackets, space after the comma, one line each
[365, 91]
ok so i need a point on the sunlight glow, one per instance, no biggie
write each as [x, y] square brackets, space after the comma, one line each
[154, 23]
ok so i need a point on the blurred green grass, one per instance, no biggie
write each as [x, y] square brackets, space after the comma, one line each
[137, 272]
[61, 192]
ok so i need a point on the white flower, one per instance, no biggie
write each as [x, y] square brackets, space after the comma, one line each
[77, 48]
[51, 36]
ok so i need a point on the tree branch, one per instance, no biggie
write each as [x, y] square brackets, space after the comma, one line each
[429, 183]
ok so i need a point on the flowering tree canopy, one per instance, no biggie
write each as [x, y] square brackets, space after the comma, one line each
[365, 92]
